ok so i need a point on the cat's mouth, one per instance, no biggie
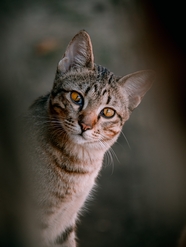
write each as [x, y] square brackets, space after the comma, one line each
[84, 138]
[81, 138]
[78, 138]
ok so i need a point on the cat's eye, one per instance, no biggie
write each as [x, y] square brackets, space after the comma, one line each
[108, 112]
[76, 98]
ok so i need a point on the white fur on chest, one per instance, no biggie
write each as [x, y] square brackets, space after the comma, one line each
[67, 210]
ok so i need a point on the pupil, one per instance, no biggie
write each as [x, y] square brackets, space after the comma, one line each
[107, 112]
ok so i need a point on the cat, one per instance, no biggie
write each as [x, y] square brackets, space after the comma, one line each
[72, 128]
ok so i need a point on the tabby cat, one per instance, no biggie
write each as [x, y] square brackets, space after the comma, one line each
[73, 126]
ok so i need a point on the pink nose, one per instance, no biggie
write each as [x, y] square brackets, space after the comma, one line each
[87, 120]
[84, 126]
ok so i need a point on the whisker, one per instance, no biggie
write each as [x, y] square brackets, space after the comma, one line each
[126, 139]
[114, 154]
[107, 159]
[112, 161]
[108, 154]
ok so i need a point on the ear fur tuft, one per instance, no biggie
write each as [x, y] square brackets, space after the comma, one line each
[79, 53]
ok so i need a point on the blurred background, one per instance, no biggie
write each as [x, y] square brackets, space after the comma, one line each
[141, 198]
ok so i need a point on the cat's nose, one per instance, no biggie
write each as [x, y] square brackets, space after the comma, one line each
[87, 120]
[84, 126]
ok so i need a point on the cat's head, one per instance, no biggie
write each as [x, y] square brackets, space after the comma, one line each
[89, 102]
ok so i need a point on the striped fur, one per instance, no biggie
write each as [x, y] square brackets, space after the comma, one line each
[70, 139]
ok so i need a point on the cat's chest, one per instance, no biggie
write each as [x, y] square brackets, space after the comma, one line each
[73, 185]
[65, 185]
[64, 202]
[73, 172]
[68, 183]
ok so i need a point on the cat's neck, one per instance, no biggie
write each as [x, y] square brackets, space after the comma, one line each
[75, 157]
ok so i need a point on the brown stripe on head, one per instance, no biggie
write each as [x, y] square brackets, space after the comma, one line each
[87, 90]
[104, 92]
[95, 88]
[109, 99]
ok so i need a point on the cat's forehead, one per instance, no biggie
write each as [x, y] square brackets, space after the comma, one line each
[87, 80]
[98, 87]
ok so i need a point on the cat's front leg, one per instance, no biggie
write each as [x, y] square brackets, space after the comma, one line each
[67, 238]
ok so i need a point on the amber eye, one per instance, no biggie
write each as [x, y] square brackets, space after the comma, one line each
[108, 112]
[76, 98]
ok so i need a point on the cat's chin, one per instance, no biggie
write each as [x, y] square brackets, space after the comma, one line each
[79, 139]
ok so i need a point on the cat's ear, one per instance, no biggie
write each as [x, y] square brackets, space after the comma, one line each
[136, 85]
[78, 54]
